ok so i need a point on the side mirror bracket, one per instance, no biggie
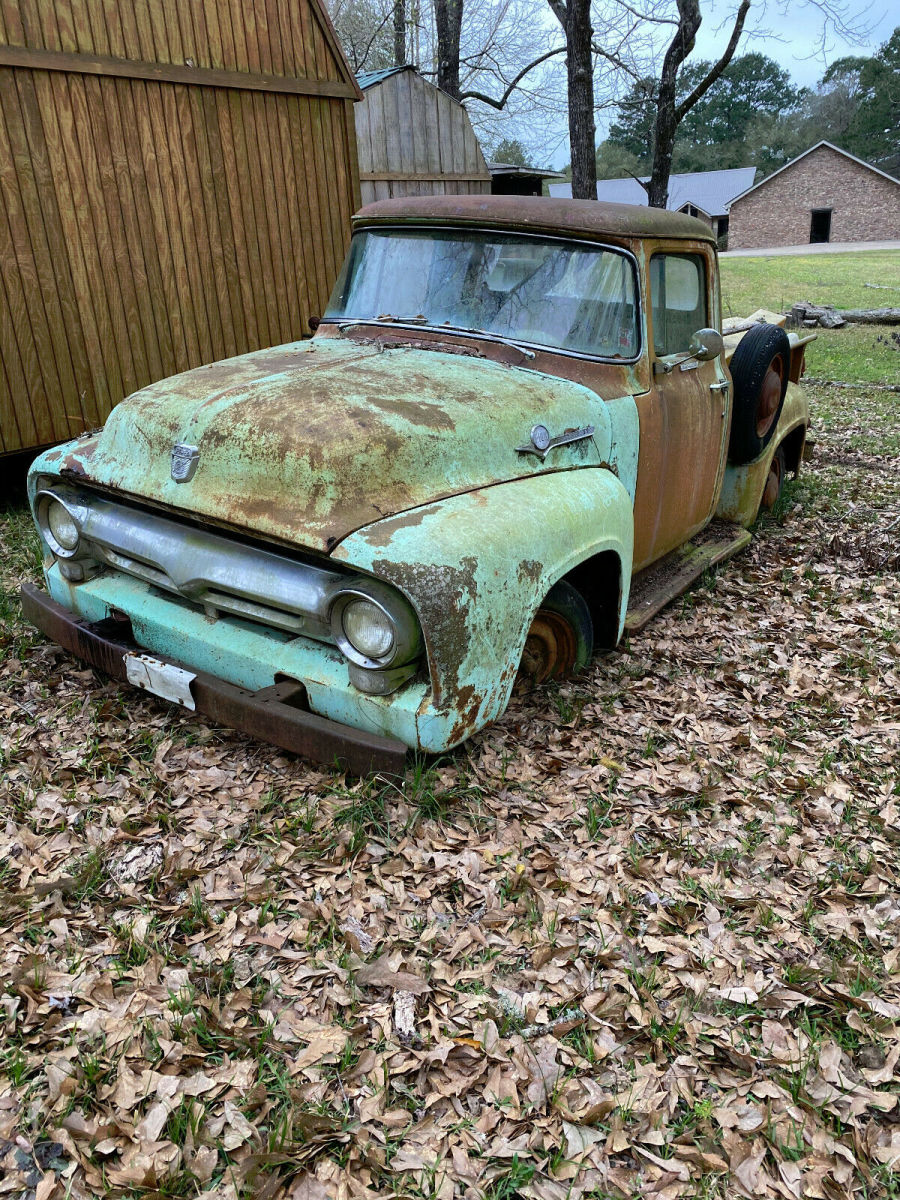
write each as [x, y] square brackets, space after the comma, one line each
[706, 344]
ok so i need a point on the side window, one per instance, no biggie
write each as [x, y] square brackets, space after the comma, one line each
[678, 299]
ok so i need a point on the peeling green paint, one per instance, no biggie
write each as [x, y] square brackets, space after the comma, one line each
[306, 443]
[476, 568]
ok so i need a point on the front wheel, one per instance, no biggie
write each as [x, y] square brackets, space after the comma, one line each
[561, 636]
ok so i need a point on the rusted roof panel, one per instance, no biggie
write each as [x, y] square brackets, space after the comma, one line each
[545, 214]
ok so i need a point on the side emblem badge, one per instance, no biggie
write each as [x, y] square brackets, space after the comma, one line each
[184, 461]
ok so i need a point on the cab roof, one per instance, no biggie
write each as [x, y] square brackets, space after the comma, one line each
[544, 214]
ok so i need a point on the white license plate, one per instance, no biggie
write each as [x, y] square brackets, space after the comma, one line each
[161, 678]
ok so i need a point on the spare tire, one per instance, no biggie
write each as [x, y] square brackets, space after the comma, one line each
[759, 369]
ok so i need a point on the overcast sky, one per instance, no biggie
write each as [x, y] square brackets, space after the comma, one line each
[790, 33]
[794, 37]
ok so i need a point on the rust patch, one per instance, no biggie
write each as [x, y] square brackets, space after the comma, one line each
[530, 569]
[382, 533]
[439, 594]
[74, 462]
[415, 411]
[537, 213]
[469, 706]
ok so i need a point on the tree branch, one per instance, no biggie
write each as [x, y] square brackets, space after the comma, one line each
[700, 90]
[616, 62]
[558, 7]
[645, 17]
[499, 104]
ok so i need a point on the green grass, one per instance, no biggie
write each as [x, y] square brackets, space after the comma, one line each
[855, 354]
[778, 281]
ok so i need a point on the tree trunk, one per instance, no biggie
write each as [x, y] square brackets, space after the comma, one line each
[399, 32]
[666, 118]
[580, 70]
[448, 21]
[669, 115]
[575, 18]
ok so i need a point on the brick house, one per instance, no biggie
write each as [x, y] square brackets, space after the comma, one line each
[824, 195]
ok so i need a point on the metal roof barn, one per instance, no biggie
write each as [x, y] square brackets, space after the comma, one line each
[709, 191]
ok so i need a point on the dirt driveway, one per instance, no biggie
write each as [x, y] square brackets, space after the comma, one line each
[812, 248]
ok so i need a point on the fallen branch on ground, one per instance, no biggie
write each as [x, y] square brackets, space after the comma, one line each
[828, 317]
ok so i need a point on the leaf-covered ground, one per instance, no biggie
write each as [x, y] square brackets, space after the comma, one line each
[638, 938]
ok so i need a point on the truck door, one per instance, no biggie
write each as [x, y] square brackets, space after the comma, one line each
[684, 416]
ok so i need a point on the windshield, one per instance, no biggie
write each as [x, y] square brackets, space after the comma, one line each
[560, 294]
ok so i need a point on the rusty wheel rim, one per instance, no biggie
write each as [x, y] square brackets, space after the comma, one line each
[773, 482]
[770, 395]
[551, 648]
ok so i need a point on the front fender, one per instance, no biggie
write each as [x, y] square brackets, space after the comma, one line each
[475, 568]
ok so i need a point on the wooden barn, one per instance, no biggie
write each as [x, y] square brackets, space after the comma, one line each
[414, 139]
[176, 184]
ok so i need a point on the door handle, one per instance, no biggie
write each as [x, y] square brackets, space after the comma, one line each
[722, 386]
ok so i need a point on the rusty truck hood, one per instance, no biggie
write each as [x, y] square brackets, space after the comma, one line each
[308, 442]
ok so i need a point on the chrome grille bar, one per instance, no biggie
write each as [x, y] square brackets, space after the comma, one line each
[213, 571]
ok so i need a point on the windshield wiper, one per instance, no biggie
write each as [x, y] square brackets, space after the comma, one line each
[381, 319]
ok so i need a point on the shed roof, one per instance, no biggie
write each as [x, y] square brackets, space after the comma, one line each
[713, 191]
[811, 150]
[544, 214]
[367, 79]
[499, 168]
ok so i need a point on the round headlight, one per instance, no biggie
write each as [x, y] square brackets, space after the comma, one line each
[62, 525]
[368, 629]
[374, 625]
[60, 518]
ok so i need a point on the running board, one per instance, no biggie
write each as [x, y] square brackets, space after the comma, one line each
[656, 585]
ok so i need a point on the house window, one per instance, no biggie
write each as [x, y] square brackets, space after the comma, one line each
[820, 225]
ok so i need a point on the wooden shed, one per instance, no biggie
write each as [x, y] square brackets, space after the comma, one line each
[176, 185]
[414, 139]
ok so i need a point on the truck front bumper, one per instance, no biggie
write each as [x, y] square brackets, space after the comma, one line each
[275, 713]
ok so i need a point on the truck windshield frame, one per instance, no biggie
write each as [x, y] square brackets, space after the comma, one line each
[563, 295]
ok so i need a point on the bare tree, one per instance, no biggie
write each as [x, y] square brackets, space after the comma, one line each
[575, 18]
[399, 32]
[363, 29]
[628, 20]
[448, 16]
[670, 114]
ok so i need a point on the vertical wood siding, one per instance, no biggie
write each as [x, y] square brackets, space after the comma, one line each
[148, 223]
[414, 140]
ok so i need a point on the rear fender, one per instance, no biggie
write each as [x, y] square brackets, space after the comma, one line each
[475, 568]
[743, 486]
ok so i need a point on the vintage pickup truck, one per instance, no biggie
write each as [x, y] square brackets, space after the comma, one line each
[514, 435]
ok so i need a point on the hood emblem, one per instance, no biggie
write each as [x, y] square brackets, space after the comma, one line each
[542, 443]
[184, 461]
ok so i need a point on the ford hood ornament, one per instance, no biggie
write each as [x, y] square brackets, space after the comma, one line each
[184, 461]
